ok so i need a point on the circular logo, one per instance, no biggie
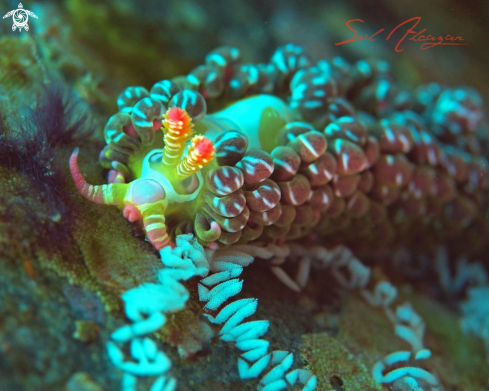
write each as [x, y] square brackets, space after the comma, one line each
[20, 18]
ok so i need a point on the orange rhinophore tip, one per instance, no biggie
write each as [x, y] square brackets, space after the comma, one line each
[200, 153]
[178, 129]
[203, 149]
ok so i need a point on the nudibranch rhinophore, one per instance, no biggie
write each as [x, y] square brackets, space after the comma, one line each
[285, 154]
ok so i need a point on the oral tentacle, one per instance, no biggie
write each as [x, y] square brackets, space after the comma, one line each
[112, 194]
[154, 224]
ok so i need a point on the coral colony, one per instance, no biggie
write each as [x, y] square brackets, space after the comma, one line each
[234, 162]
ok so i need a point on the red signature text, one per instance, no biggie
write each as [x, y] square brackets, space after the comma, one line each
[429, 40]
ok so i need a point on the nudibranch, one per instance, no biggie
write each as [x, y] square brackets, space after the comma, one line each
[284, 154]
[170, 180]
[166, 178]
[330, 152]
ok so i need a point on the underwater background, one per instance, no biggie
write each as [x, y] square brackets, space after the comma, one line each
[395, 261]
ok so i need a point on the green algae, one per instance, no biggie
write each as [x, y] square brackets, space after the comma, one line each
[82, 381]
[366, 336]
[86, 331]
[458, 358]
[336, 368]
[130, 50]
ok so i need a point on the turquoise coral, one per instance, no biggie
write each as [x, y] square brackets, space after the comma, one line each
[146, 305]
[228, 264]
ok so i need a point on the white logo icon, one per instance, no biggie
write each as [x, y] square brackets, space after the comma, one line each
[20, 17]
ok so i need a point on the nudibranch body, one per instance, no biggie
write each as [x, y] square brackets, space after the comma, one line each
[288, 155]
[164, 181]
